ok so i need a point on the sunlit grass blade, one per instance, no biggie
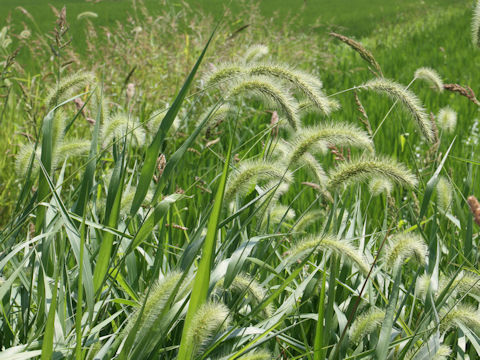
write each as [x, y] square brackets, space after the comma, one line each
[202, 279]
[112, 213]
[153, 150]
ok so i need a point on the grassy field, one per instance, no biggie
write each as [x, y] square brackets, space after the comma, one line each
[275, 193]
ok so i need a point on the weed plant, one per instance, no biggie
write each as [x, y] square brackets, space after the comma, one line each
[261, 214]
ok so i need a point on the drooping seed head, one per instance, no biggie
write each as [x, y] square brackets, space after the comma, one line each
[310, 218]
[223, 74]
[430, 76]
[362, 169]
[209, 319]
[360, 49]
[403, 247]
[380, 185]
[59, 120]
[324, 135]
[443, 353]
[250, 173]
[304, 159]
[23, 158]
[155, 304]
[365, 324]
[270, 91]
[464, 315]
[119, 125]
[343, 248]
[307, 84]
[466, 283]
[86, 15]
[219, 114]
[246, 286]
[408, 99]
[71, 148]
[422, 285]
[255, 53]
[67, 87]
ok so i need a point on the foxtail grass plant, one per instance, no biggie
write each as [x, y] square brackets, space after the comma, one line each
[259, 213]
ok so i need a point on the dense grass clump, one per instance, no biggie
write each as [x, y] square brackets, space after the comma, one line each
[217, 202]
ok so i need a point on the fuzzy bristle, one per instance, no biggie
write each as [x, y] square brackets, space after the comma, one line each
[209, 319]
[462, 314]
[255, 53]
[342, 248]
[476, 25]
[447, 119]
[408, 99]
[362, 169]
[404, 246]
[430, 76]
[365, 324]
[251, 172]
[271, 91]
[67, 87]
[444, 193]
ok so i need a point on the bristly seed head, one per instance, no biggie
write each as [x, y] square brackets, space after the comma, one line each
[444, 193]
[267, 89]
[363, 169]
[67, 87]
[252, 172]
[461, 315]
[380, 185]
[255, 53]
[365, 324]
[476, 25]
[447, 119]
[209, 319]
[404, 246]
[408, 99]
[342, 248]
[431, 76]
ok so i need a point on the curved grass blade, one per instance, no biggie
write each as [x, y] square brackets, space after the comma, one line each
[153, 150]
[202, 278]
[112, 213]
[88, 175]
[433, 182]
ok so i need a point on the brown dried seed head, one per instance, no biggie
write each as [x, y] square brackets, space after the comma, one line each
[130, 91]
[161, 163]
[364, 53]
[464, 91]
[475, 208]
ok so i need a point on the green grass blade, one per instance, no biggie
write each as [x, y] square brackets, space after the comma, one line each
[112, 213]
[152, 220]
[202, 278]
[46, 160]
[432, 183]
[74, 239]
[317, 348]
[177, 156]
[47, 344]
[386, 330]
[88, 175]
[153, 150]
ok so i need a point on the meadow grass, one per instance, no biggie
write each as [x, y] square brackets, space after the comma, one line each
[276, 211]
